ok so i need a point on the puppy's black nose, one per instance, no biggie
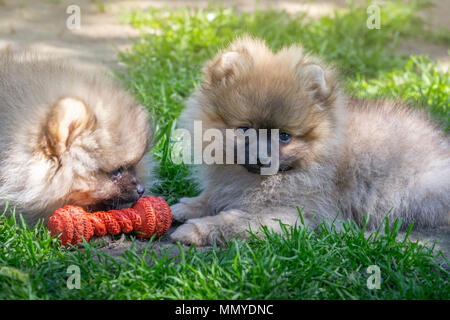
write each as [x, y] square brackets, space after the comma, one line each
[140, 189]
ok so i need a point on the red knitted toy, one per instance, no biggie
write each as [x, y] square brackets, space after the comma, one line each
[150, 215]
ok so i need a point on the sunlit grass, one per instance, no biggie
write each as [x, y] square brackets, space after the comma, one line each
[162, 69]
[298, 264]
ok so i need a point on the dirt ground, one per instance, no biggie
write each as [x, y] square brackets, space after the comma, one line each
[41, 25]
[117, 247]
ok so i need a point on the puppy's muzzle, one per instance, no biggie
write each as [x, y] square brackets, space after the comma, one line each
[263, 157]
[256, 168]
[131, 196]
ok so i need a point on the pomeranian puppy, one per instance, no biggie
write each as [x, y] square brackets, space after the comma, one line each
[338, 157]
[67, 136]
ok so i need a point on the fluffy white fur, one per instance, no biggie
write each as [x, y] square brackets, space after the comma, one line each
[63, 130]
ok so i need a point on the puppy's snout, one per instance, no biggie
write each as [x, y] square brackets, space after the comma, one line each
[140, 190]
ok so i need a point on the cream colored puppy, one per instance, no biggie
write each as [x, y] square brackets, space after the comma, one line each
[337, 156]
[67, 136]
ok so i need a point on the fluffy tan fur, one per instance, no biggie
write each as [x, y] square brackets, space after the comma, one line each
[67, 136]
[348, 158]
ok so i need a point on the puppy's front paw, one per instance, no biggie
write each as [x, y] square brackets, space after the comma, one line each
[179, 211]
[186, 209]
[188, 233]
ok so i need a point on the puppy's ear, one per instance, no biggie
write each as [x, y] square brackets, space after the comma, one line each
[237, 59]
[227, 65]
[67, 119]
[314, 80]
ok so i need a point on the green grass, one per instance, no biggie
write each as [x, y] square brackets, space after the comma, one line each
[162, 69]
[298, 264]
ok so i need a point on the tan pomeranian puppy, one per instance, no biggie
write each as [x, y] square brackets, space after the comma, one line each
[67, 136]
[337, 157]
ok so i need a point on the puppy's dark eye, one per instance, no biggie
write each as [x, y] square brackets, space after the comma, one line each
[285, 137]
[117, 174]
[243, 128]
